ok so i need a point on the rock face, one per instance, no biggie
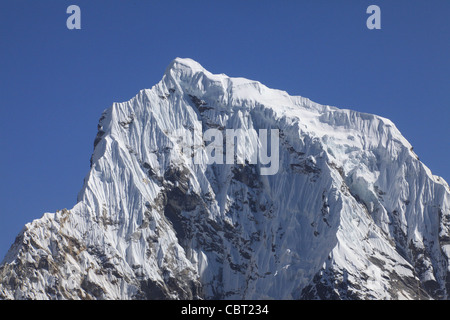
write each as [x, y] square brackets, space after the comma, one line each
[351, 213]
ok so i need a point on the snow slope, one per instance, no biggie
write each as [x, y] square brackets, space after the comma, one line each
[351, 214]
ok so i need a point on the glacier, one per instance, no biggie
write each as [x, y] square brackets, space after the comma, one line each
[352, 213]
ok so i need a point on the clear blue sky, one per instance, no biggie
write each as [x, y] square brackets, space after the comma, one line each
[55, 82]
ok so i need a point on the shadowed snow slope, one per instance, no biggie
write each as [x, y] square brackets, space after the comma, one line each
[351, 213]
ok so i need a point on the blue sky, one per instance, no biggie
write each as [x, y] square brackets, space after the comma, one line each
[55, 82]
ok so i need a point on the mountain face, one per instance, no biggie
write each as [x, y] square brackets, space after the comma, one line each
[348, 213]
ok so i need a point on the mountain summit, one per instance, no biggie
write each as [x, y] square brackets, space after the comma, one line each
[350, 212]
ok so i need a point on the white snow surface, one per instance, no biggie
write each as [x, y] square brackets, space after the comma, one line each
[351, 214]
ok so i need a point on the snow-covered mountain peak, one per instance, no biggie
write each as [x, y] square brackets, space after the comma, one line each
[351, 213]
[186, 71]
[185, 63]
[188, 75]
